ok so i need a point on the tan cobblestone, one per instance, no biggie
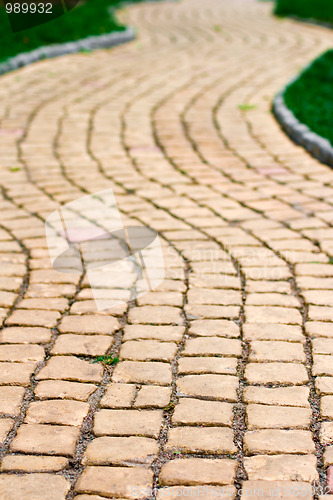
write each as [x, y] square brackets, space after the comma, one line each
[212, 346]
[57, 412]
[211, 312]
[324, 385]
[322, 365]
[322, 346]
[202, 491]
[206, 296]
[88, 307]
[326, 432]
[142, 372]
[271, 299]
[326, 406]
[269, 441]
[120, 451]
[34, 486]
[328, 456]
[276, 351]
[43, 290]
[268, 273]
[276, 373]
[309, 283]
[10, 284]
[277, 417]
[158, 315]
[282, 396]
[10, 400]
[47, 304]
[282, 468]
[318, 270]
[118, 395]
[25, 335]
[319, 297]
[161, 299]
[84, 345]
[320, 313]
[24, 317]
[212, 386]
[53, 277]
[6, 425]
[162, 333]
[268, 314]
[197, 365]
[195, 411]
[21, 353]
[276, 489]
[148, 350]
[91, 497]
[115, 481]
[7, 269]
[89, 324]
[272, 331]
[212, 328]
[48, 389]
[212, 440]
[267, 286]
[195, 471]
[128, 422]
[16, 373]
[220, 282]
[7, 299]
[45, 439]
[33, 463]
[70, 368]
[153, 396]
[172, 285]
[103, 293]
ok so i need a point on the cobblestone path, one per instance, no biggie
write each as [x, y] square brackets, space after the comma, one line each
[224, 383]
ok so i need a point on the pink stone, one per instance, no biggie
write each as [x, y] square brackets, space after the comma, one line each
[329, 479]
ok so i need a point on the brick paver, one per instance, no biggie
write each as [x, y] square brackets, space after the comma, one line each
[224, 385]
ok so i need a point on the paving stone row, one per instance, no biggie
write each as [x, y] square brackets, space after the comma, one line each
[224, 380]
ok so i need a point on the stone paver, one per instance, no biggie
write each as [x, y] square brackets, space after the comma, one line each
[33, 463]
[194, 471]
[223, 375]
[33, 486]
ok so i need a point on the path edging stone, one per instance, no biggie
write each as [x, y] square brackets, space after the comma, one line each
[301, 134]
[60, 49]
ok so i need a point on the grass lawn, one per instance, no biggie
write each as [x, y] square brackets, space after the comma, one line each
[321, 10]
[92, 17]
[310, 97]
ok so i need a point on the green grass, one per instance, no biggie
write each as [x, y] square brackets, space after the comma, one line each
[246, 107]
[321, 10]
[107, 360]
[310, 97]
[90, 18]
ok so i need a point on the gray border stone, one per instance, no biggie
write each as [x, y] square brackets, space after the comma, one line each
[301, 134]
[55, 50]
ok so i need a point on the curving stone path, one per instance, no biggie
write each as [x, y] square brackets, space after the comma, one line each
[225, 381]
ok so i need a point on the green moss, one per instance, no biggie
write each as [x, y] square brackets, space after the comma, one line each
[321, 10]
[107, 360]
[310, 97]
[91, 18]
